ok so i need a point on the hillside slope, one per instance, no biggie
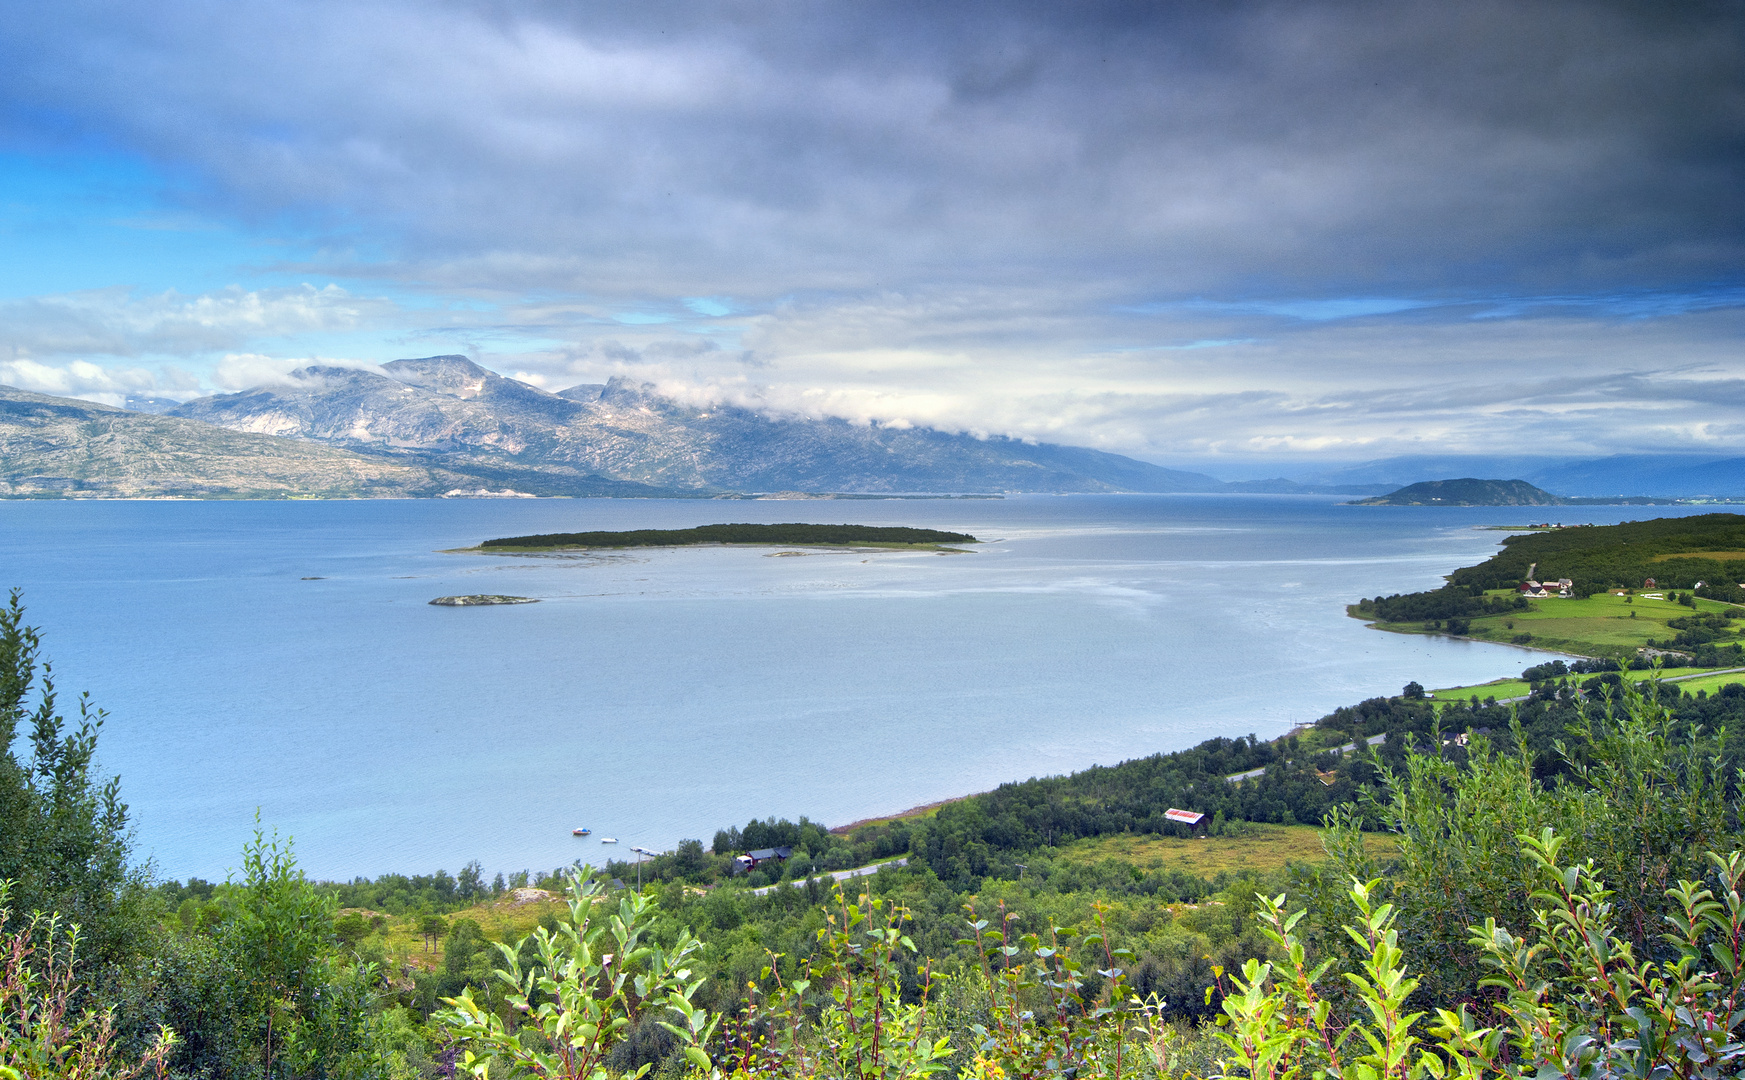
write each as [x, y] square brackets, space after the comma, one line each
[53, 446]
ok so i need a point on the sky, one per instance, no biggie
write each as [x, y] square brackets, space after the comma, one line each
[1238, 235]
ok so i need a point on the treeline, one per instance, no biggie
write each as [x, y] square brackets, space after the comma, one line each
[986, 836]
[392, 894]
[1448, 602]
[792, 533]
[1297, 780]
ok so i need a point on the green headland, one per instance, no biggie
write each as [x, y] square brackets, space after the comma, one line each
[1627, 597]
[793, 533]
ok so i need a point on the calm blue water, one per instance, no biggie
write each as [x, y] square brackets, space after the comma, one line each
[668, 693]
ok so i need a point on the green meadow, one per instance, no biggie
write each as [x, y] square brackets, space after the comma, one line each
[1605, 624]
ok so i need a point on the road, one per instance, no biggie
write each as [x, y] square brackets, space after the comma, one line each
[1377, 739]
[1373, 740]
[839, 875]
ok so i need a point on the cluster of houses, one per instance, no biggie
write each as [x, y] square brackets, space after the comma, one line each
[1540, 590]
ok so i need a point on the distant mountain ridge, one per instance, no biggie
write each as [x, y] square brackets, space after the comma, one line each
[447, 409]
[439, 424]
[60, 447]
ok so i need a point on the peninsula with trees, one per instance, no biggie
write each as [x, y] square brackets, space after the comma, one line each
[1666, 588]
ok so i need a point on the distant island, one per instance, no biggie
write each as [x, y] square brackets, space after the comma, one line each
[793, 533]
[1468, 491]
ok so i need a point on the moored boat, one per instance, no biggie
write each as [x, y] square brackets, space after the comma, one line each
[580, 832]
[608, 839]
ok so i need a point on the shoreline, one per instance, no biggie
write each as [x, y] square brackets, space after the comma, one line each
[913, 812]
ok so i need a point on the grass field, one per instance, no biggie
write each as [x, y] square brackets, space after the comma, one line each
[1710, 683]
[503, 920]
[1601, 625]
[1271, 847]
[1503, 689]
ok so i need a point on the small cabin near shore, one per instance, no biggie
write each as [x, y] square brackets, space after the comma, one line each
[751, 860]
[1186, 817]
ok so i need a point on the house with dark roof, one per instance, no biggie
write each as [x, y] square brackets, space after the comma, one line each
[751, 860]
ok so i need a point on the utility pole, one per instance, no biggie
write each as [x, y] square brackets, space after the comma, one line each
[640, 852]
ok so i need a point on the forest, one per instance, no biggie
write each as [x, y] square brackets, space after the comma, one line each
[791, 533]
[1676, 552]
[1497, 890]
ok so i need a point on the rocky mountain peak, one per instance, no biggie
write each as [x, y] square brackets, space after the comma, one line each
[453, 375]
[317, 377]
[626, 393]
[450, 410]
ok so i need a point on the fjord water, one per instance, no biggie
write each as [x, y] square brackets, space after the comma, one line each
[283, 656]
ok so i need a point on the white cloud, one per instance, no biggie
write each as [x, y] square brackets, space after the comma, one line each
[1052, 367]
[79, 379]
[243, 371]
[122, 322]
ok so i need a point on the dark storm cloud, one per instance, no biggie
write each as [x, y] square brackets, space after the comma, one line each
[759, 149]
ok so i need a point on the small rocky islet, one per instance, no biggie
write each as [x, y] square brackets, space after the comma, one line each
[481, 600]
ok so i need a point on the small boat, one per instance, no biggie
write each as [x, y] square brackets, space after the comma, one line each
[580, 832]
[608, 839]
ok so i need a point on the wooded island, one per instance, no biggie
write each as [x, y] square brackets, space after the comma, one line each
[791, 533]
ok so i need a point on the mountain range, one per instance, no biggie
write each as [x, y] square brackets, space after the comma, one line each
[443, 425]
[61, 447]
[448, 411]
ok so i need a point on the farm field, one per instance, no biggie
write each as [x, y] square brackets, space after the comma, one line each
[1711, 684]
[1501, 689]
[1604, 624]
[1504, 689]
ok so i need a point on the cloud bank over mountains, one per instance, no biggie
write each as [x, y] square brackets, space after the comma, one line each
[1248, 231]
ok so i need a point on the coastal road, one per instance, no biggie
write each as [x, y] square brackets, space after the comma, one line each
[1237, 778]
[839, 875]
[1375, 740]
